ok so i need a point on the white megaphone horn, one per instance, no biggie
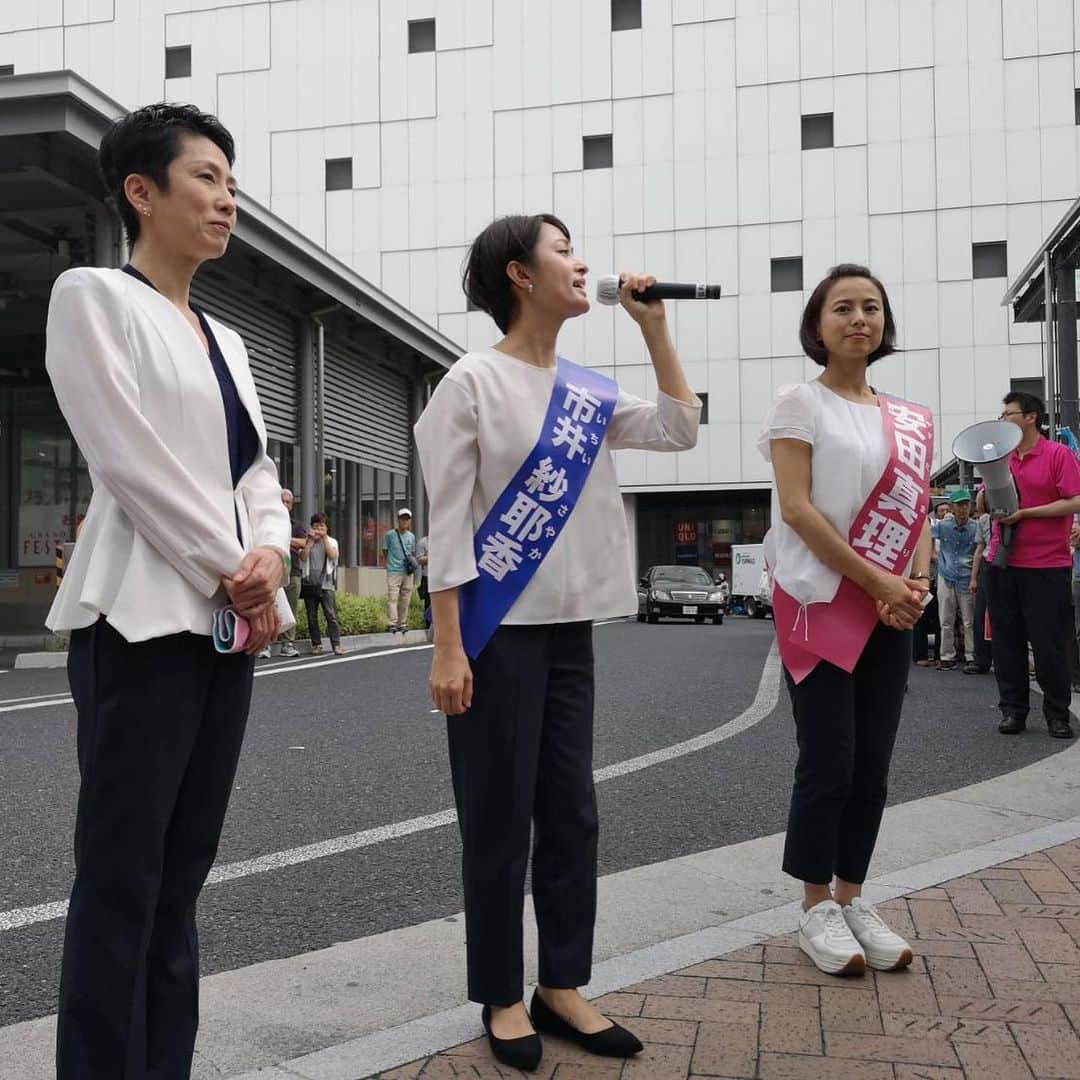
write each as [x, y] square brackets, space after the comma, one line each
[988, 446]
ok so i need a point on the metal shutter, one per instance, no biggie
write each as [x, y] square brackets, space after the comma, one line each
[272, 339]
[367, 409]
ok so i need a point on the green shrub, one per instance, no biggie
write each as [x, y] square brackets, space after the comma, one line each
[362, 615]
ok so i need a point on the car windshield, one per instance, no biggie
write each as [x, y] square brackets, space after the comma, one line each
[683, 575]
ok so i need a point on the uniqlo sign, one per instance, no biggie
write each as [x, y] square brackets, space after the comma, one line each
[685, 532]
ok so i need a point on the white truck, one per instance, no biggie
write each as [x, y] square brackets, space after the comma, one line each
[750, 584]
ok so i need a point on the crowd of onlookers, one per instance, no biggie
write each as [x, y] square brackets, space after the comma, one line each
[313, 576]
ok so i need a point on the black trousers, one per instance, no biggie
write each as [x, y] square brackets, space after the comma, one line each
[160, 725]
[846, 726]
[521, 756]
[984, 656]
[327, 600]
[1031, 605]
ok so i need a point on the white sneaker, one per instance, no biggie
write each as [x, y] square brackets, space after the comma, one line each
[289, 649]
[826, 938]
[884, 950]
[265, 654]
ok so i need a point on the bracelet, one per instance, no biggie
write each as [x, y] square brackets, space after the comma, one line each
[920, 577]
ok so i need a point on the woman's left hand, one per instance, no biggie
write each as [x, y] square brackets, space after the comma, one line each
[253, 586]
[640, 311]
[264, 629]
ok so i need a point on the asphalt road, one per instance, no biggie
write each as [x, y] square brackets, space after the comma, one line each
[346, 746]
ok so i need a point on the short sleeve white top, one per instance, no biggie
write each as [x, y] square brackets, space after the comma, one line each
[849, 453]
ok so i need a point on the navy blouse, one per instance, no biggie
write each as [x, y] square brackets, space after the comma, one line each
[242, 437]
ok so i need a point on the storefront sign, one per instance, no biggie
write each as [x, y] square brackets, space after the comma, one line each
[41, 528]
[685, 532]
[722, 531]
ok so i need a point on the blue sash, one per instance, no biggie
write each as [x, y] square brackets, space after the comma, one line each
[531, 513]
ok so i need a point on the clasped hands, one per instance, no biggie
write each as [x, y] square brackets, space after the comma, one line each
[899, 600]
[252, 590]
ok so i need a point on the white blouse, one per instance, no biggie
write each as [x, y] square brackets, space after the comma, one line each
[850, 452]
[481, 423]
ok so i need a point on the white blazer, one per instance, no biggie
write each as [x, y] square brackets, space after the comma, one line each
[139, 393]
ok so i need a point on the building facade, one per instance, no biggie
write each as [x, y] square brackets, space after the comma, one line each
[749, 143]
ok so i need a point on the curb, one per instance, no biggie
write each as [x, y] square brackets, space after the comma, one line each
[352, 643]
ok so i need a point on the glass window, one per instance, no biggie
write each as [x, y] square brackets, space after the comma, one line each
[54, 491]
[596, 152]
[339, 174]
[817, 131]
[704, 399]
[369, 543]
[421, 35]
[625, 14]
[385, 513]
[786, 275]
[989, 260]
[178, 62]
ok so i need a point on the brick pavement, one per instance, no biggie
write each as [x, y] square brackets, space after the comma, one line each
[993, 994]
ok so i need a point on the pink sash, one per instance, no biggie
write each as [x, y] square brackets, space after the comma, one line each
[884, 533]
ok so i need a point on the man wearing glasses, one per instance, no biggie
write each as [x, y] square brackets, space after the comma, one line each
[1030, 598]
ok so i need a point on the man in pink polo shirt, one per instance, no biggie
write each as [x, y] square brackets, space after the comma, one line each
[1029, 599]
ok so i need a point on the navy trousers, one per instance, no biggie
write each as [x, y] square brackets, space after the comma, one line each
[160, 725]
[521, 757]
[846, 726]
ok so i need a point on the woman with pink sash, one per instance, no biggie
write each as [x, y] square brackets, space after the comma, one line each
[849, 552]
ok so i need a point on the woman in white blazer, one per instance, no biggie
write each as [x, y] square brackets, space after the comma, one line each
[186, 517]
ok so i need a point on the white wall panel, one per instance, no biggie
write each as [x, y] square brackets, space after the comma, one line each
[882, 35]
[785, 186]
[815, 38]
[918, 179]
[884, 168]
[1023, 166]
[987, 94]
[783, 46]
[1020, 27]
[916, 33]
[752, 105]
[952, 162]
[955, 313]
[849, 36]
[1055, 26]
[850, 118]
[818, 184]
[753, 188]
[755, 337]
[953, 245]
[952, 114]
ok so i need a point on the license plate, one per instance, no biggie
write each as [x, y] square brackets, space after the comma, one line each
[689, 609]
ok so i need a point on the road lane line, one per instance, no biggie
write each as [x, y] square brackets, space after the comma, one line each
[764, 702]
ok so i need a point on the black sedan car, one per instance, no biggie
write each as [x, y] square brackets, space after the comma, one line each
[679, 592]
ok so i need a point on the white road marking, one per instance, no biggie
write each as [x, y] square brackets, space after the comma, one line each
[36, 705]
[36, 697]
[764, 702]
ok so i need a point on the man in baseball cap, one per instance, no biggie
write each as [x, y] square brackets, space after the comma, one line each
[400, 547]
[959, 536]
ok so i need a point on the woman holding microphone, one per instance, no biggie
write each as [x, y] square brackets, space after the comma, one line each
[186, 517]
[850, 555]
[516, 452]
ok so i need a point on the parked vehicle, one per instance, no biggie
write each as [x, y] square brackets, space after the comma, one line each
[679, 592]
[750, 585]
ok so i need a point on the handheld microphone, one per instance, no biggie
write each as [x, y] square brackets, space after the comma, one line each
[607, 291]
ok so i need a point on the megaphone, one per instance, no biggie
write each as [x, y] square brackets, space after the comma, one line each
[988, 445]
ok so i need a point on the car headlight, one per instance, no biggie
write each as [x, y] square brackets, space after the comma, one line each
[659, 594]
[716, 597]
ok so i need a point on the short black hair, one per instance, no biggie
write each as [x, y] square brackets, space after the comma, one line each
[506, 240]
[146, 141]
[811, 316]
[1029, 403]
[319, 518]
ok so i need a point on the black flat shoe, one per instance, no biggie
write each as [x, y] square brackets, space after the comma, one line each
[614, 1041]
[1060, 729]
[1011, 725]
[523, 1053]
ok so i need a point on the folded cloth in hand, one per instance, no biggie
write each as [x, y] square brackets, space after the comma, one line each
[231, 631]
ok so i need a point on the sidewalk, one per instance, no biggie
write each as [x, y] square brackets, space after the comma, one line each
[994, 992]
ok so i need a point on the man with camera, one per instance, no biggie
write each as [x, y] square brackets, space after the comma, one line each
[1030, 597]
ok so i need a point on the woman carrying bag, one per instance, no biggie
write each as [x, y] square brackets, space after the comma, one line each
[318, 584]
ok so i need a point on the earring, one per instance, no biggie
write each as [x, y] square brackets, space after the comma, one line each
[146, 210]
[530, 286]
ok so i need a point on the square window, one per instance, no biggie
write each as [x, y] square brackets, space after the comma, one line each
[1028, 386]
[1076, 105]
[421, 35]
[704, 399]
[625, 14]
[989, 260]
[817, 131]
[786, 274]
[7, 69]
[178, 62]
[339, 174]
[596, 152]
